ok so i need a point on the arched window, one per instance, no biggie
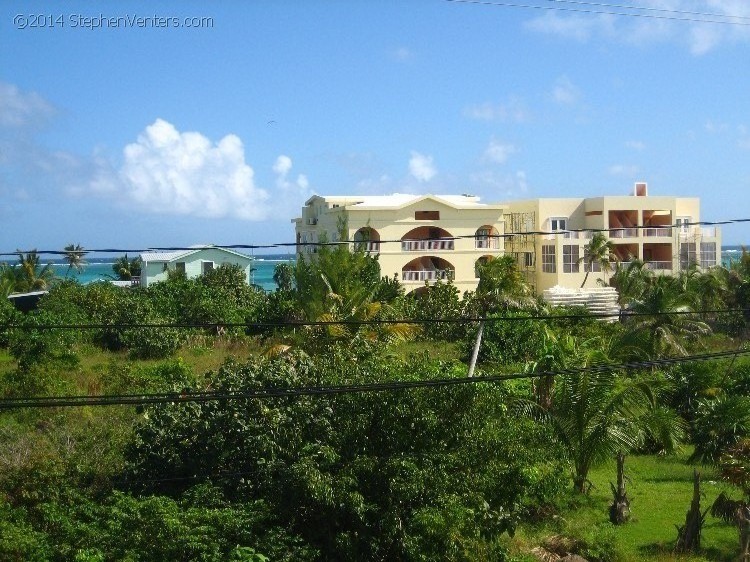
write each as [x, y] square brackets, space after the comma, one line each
[367, 239]
[487, 237]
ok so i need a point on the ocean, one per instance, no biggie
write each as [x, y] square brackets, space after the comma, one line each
[99, 269]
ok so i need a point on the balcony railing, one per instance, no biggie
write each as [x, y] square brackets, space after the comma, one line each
[422, 245]
[487, 243]
[427, 275]
[658, 265]
[694, 231]
[657, 231]
[583, 235]
[373, 247]
[312, 220]
[623, 233]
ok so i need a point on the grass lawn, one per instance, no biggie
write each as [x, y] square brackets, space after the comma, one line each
[660, 490]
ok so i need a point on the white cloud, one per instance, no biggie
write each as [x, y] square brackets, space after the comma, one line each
[21, 109]
[282, 165]
[564, 91]
[744, 137]
[496, 186]
[636, 145]
[498, 152]
[648, 29]
[421, 167]
[512, 110]
[299, 187]
[623, 170]
[716, 127]
[402, 54]
[169, 172]
[576, 27]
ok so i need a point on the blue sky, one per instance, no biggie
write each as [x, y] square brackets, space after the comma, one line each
[135, 134]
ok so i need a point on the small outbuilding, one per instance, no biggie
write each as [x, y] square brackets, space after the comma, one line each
[196, 261]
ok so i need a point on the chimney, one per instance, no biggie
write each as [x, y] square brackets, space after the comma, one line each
[640, 189]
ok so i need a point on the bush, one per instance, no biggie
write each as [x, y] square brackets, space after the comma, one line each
[33, 344]
[507, 342]
[361, 475]
[8, 315]
[720, 424]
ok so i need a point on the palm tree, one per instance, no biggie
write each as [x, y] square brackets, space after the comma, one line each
[8, 279]
[631, 280]
[74, 255]
[599, 252]
[501, 285]
[126, 269]
[663, 317]
[31, 275]
[596, 414]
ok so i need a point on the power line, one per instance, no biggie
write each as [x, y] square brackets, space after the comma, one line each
[267, 393]
[368, 322]
[649, 9]
[564, 232]
[603, 12]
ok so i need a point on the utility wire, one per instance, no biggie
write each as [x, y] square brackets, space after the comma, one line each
[600, 12]
[368, 322]
[649, 9]
[266, 393]
[565, 232]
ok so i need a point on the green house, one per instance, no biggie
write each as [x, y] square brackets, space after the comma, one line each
[193, 262]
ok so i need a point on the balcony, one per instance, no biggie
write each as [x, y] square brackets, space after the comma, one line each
[371, 247]
[430, 275]
[367, 239]
[624, 233]
[657, 231]
[658, 265]
[583, 235]
[312, 221]
[424, 245]
[487, 243]
[698, 231]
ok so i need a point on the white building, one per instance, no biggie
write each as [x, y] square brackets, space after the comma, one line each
[193, 262]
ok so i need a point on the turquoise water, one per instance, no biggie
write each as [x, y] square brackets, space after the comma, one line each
[100, 269]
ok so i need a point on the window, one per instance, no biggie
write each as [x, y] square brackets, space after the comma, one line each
[207, 266]
[426, 215]
[687, 255]
[548, 259]
[683, 223]
[558, 223]
[595, 266]
[708, 254]
[179, 267]
[570, 258]
[528, 259]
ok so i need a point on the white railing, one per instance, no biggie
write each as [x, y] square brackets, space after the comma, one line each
[583, 235]
[427, 275]
[694, 231]
[623, 233]
[657, 231]
[658, 265]
[368, 246]
[487, 243]
[422, 245]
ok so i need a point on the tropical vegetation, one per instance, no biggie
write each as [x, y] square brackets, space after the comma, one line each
[414, 461]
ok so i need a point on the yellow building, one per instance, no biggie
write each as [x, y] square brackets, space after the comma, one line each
[422, 238]
[656, 229]
[419, 238]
